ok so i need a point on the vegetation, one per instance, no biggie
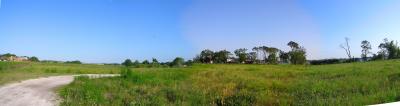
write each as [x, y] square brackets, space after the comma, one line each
[245, 83]
[298, 54]
[241, 54]
[389, 49]
[206, 56]
[218, 84]
[155, 63]
[33, 59]
[146, 62]
[329, 61]
[272, 57]
[221, 56]
[366, 47]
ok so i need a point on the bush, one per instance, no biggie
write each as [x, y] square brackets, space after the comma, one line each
[127, 63]
[329, 61]
[33, 59]
[298, 57]
[178, 62]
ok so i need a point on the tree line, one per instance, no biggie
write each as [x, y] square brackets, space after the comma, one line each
[177, 62]
[257, 55]
[388, 49]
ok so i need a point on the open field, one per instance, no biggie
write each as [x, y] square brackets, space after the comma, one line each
[340, 84]
[218, 84]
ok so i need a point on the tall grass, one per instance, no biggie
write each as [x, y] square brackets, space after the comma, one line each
[223, 85]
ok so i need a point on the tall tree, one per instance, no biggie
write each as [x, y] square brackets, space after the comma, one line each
[206, 56]
[298, 54]
[241, 54]
[366, 47]
[346, 47]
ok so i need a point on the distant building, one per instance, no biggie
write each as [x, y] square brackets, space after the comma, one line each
[14, 58]
[22, 58]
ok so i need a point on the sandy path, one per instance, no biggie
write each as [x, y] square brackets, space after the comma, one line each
[37, 92]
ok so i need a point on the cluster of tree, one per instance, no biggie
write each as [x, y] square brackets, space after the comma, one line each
[51, 61]
[33, 59]
[258, 55]
[388, 49]
[177, 62]
[73, 62]
[8, 55]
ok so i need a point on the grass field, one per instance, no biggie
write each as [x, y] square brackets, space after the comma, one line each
[340, 84]
[217, 84]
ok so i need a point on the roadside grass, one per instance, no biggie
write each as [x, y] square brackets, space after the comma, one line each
[225, 85]
[17, 71]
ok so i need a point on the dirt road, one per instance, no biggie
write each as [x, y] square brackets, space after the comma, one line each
[37, 92]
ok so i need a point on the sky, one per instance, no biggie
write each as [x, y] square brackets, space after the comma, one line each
[110, 31]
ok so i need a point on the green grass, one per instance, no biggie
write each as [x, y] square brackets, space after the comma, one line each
[340, 84]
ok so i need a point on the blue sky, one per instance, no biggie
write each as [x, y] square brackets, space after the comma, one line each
[97, 31]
